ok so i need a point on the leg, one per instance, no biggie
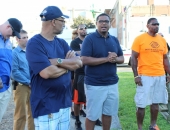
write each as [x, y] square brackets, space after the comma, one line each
[89, 124]
[106, 120]
[140, 113]
[4, 100]
[20, 99]
[77, 111]
[29, 113]
[154, 108]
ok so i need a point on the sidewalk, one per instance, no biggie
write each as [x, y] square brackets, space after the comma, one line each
[7, 121]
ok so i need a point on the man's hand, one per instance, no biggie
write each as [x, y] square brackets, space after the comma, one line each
[138, 81]
[1, 83]
[112, 57]
[70, 54]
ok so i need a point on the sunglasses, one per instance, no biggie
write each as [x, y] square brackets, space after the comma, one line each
[154, 24]
[83, 28]
[103, 21]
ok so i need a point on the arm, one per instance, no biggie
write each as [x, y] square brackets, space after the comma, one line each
[93, 61]
[71, 62]
[134, 62]
[52, 72]
[119, 59]
[166, 63]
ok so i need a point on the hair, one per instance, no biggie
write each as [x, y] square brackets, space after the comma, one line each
[102, 14]
[74, 34]
[23, 31]
[149, 20]
[80, 25]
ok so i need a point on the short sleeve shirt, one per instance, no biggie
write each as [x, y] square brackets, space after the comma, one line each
[47, 95]
[151, 51]
[94, 45]
[75, 45]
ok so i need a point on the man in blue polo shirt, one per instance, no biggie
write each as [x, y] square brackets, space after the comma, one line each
[10, 28]
[100, 54]
[50, 60]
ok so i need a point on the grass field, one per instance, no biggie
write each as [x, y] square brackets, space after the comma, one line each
[127, 109]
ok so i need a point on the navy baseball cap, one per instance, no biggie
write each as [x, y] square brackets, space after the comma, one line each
[51, 12]
[16, 26]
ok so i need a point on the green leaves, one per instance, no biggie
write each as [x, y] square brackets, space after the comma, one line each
[82, 20]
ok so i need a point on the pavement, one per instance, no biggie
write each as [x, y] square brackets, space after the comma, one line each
[7, 121]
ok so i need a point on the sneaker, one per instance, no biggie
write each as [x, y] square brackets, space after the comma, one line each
[98, 122]
[78, 125]
[153, 127]
[82, 113]
[72, 115]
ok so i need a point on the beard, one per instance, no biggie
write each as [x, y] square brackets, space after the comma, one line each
[156, 30]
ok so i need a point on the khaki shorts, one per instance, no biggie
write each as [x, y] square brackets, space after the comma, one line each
[153, 91]
[101, 100]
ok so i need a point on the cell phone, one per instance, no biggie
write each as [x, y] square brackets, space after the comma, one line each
[1, 83]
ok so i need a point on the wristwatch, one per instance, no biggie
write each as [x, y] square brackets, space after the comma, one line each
[59, 60]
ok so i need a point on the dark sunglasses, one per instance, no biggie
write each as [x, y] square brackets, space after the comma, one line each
[154, 24]
[82, 28]
[103, 21]
[63, 21]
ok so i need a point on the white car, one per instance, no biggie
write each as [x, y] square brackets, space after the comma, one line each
[127, 55]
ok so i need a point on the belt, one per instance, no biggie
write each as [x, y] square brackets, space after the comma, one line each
[22, 84]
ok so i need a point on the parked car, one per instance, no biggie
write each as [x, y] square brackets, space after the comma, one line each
[127, 55]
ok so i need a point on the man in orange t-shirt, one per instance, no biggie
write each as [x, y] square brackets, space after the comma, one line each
[149, 61]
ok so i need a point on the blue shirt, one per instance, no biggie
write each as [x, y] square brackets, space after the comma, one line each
[20, 68]
[47, 95]
[5, 62]
[94, 45]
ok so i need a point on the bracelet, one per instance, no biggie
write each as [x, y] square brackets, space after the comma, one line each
[136, 76]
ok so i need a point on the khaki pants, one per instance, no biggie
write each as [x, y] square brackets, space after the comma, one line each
[22, 108]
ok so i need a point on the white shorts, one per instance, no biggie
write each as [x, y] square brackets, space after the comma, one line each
[54, 121]
[101, 100]
[153, 91]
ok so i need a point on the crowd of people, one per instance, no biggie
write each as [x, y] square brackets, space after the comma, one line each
[49, 77]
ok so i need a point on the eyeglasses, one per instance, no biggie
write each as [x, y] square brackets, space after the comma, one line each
[63, 21]
[83, 28]
[103, 21]
[13, 32]
[154, 24]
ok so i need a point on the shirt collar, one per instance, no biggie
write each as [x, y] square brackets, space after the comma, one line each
[99, 35]
[20, 49]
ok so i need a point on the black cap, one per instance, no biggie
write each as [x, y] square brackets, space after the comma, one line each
[16, 26]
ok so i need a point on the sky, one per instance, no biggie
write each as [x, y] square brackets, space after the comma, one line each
[30, 9]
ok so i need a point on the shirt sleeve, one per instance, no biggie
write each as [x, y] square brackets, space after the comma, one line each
[87, 47]
[36, 56]
[75, 46]
[120, 52]
[16, 74]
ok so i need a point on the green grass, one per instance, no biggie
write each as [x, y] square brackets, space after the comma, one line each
[127, 108]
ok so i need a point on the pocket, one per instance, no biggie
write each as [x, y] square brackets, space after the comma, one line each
[139, 96]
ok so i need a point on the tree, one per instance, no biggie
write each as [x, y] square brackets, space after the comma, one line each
[82, 20]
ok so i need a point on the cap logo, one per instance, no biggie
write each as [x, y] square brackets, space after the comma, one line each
[44, 12]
